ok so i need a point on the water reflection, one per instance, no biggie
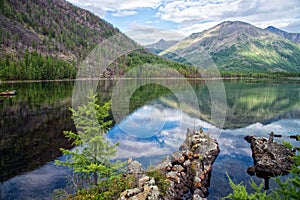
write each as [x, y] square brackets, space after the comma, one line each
[31, 126]
[33, 121]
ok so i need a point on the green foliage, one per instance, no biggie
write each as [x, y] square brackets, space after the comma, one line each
[107, 189]
[240, 192]
[93, 152]
[160, 179]
[288, 189]
[34, 66]
[287, 144]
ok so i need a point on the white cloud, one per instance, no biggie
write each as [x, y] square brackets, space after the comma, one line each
[124, 13]
[195, 16]
[189, 16]
[117, 5]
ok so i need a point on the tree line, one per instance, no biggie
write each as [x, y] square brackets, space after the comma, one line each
[35, 66]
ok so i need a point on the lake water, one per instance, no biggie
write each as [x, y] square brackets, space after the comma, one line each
[155, 124]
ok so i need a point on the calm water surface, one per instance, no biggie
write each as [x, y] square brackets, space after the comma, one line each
[32, 123]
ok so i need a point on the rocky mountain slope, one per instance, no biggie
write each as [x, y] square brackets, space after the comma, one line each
[293, 37]
[240, 47]
[55, 28]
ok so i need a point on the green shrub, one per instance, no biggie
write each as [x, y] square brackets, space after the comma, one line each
[160, 179]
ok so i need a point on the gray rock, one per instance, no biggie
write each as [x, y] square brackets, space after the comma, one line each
[270, 158]
[134, 167]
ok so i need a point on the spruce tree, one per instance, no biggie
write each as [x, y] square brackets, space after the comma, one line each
[93, 152]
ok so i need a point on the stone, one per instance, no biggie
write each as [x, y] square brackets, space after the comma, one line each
[144, 181]
[270, 158]
[188, 170]
[187, 163]
[177, 157]
[173, 176]
[147, 191]
[177, 168]
[165, 164]
[196, 155]
[134, 167]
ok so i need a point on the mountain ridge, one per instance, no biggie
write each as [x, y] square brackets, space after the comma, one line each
[240, 47]
[293, 37]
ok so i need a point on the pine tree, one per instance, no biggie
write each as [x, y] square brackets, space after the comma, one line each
[93, 152]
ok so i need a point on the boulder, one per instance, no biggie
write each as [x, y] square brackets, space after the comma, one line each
[134, 167]
[270, 158]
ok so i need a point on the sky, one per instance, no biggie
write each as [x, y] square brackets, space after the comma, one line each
[148, 21]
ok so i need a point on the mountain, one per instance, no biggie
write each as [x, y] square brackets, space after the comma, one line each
[239, 47]
[160, 46]
[47, 39]
[293, 37]
[54, 35]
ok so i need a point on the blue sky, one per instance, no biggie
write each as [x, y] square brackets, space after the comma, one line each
[148, 21]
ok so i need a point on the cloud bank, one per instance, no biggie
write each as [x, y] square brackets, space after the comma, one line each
[189, 16]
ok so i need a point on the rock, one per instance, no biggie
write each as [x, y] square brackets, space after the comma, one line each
[187, 163]
[177, 168]
[188, 171]
[191, 167]
[270, 158]
[177, 157]
[165, 164]
[173, 176]
[147, 190]
[144, 181]
[134, 167]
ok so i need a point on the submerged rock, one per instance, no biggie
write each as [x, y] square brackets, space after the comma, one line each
[270, 158]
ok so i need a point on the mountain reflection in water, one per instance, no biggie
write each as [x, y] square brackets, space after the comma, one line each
[33, 121]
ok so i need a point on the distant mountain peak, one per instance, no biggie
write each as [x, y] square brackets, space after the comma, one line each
[161, 40]
[160, 46]
[293, 37]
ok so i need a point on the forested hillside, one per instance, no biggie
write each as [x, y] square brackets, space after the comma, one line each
[47, 39]
[42, 39]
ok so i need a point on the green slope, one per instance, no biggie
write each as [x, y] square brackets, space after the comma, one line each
[241, 47]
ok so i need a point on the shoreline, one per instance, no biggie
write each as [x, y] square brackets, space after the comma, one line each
[171, 78]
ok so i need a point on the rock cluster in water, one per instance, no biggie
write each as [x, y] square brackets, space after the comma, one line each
[270, 158]
[188, 170]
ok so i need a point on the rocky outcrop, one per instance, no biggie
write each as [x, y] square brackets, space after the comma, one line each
[189, 169]
[134, 167]
[147, 190]
[270, 158]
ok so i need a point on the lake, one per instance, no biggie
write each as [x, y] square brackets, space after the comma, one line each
[152, 125]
